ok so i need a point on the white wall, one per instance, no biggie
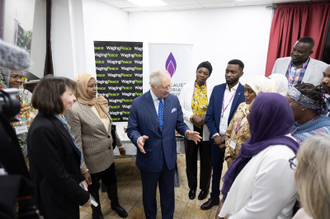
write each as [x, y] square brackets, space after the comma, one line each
[76, 24]
[218, 35]
[23, 12]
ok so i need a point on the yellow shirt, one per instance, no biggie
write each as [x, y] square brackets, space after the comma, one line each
[199, 101]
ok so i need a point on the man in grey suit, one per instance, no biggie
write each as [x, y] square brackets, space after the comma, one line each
[300, 67]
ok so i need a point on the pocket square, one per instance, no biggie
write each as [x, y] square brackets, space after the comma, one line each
[173, 110]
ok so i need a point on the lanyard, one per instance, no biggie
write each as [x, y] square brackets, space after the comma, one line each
[223, 102]
[239, 120]
[305, 123]
[296, 73]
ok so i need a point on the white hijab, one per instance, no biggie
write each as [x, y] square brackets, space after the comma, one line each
[281, 81]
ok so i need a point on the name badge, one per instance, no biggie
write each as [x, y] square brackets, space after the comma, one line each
[21, 129]
[233, 144]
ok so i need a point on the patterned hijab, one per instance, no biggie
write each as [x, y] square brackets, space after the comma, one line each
[100, 103]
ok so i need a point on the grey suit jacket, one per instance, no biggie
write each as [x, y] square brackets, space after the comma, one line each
[92, 138]
[313, 74]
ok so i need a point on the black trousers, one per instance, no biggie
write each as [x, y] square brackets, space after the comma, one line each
[108, 177]
[204, 148]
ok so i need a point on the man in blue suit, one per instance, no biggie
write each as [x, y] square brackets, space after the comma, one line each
[224, 101]
[152, 122]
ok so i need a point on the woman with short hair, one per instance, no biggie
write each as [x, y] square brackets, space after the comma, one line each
[13, 79]
[313, 176]
[194, 99]
[53, 153]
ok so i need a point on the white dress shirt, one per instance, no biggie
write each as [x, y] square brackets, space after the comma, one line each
[227, 100]
[156, 101]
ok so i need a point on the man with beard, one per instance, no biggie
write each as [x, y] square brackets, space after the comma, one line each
[224, 101]
[300, 67]
[326, 85]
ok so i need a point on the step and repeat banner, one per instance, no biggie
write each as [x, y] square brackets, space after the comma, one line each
[119, 75]
[176, 59]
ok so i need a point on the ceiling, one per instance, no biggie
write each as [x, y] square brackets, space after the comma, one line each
[173, 5]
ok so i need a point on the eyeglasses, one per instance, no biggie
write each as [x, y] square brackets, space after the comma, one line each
[293, 163]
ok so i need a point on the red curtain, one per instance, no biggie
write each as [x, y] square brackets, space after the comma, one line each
[293, 21]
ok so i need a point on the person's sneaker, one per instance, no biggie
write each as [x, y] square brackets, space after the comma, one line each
[202, 195]
[209, 204]
[120, 211]
[192, 194]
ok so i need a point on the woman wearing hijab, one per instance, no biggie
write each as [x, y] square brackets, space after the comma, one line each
[13, 79]
[194, 99]
[91, 126]
[239, 130]
[281, 82]
[308, 105]
[53, 153]
[265, 186]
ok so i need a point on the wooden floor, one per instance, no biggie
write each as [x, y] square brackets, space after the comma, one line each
[130, 194]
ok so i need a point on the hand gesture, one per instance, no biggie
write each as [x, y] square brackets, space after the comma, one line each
[141, 142]
[198, 120]
[194, 136]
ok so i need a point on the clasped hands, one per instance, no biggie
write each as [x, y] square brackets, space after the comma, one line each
[217, 141]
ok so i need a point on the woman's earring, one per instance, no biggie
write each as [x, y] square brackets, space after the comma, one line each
[303, 109]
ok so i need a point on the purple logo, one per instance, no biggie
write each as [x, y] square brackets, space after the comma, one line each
[170, 65]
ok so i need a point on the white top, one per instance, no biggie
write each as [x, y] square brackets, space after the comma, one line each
[265, 188]
[185, 97]
[227, 100]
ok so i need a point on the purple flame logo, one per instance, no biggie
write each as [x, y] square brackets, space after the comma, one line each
[170, 64]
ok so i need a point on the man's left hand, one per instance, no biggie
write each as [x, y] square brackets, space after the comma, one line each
[194, 136]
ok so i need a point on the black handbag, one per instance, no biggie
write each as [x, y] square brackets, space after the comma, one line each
[114, 136]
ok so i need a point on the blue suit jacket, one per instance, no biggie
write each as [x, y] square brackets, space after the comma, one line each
[143, 120]
[213, 113]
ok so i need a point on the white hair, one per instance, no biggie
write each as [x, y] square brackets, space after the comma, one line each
[156, 75]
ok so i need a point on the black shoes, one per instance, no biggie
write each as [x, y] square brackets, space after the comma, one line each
[120, 211]
[192, 193]
[209, 204]
[202, 195]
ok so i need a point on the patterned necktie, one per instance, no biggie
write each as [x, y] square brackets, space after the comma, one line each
[161, 114]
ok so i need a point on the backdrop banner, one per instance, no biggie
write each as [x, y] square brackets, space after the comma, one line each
[175, 58]
[119, 75]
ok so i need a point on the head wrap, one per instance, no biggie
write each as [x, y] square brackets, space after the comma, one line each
[270, 120]
[100, 103]
[261, 83]
[303, 100]
[205, 64]
[281, 81]
[5, 73]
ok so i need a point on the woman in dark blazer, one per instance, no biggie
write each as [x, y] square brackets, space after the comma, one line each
[91, 125]
[53, 154]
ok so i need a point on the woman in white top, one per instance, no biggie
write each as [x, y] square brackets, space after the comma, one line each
[194, 99]
[260, 183]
